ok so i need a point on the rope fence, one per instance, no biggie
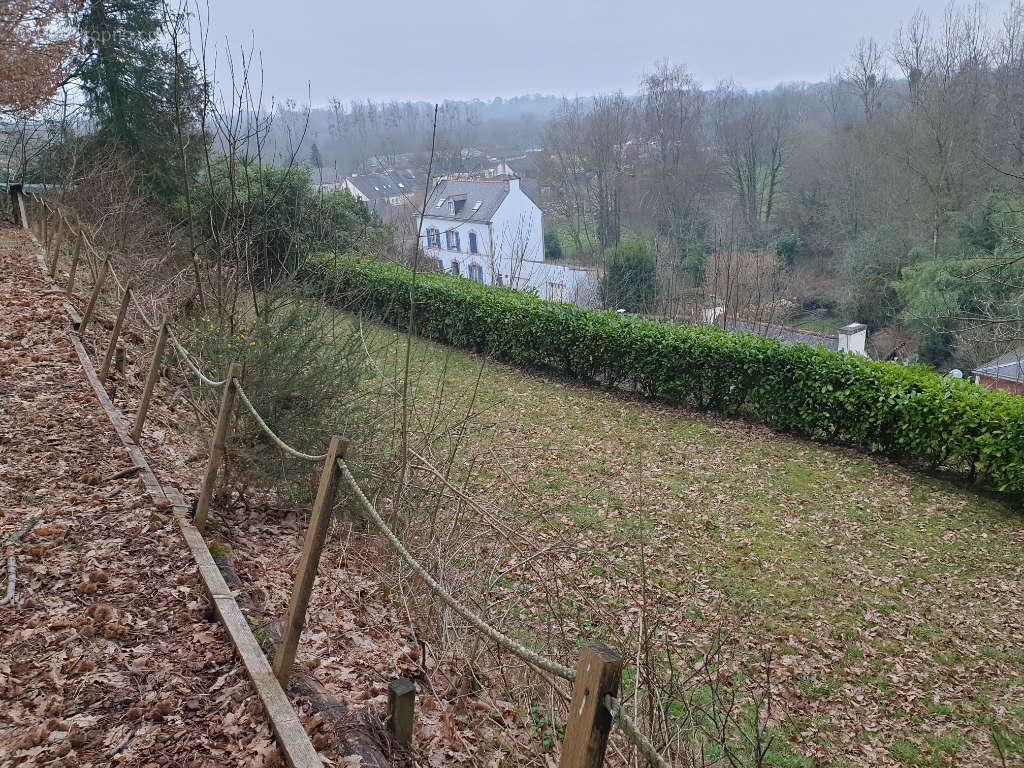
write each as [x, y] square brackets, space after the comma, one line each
[270, 433]
[596, 678]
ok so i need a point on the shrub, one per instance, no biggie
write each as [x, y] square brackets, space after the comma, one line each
[302, 368]
[630, 279]
[274, 215]
[788, 246]
[905, 412]
[552, 246]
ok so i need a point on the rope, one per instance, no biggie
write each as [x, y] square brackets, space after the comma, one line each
[142, 313]
[117, 281]
[526, 654]
[637, 739]
[270, 433]
[12, 541]
[629, 728]
[188, 361]
[9, 595]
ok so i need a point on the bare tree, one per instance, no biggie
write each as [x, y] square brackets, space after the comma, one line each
[607, 136]
[674, 163]
[867, 77]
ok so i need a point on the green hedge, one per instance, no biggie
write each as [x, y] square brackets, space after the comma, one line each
[905, 412]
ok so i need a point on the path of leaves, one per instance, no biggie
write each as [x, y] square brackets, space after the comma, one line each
[357, 636]
[105, 656]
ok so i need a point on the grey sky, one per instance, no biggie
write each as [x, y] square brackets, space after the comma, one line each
[432, 50]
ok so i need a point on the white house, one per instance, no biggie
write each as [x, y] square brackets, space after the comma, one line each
[491, 231]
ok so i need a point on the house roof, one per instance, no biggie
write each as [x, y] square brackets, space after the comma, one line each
[1006, 367]
[399, 181]
[784, 333]
[488, 192]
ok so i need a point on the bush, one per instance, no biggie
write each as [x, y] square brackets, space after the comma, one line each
[630, 280]
[552, 246]
[901, 411]
[788, 246]
[275, 216]
[302, 369]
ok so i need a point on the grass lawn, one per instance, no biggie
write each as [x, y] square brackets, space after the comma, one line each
[893, 601]
[817, 323]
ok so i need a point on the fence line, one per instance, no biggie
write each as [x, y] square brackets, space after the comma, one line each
[270, 433]
[533, 658]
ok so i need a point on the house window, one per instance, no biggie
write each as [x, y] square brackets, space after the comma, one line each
[557, 292]
[452, 240]
[472, 242]
[476, 272]
[433, 238]
[455, 268]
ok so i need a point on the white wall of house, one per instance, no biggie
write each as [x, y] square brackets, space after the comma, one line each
[509, 251]
[463, 257]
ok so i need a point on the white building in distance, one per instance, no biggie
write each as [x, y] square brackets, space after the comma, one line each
[491, 231]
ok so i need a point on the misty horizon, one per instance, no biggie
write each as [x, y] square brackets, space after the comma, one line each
[576, 50]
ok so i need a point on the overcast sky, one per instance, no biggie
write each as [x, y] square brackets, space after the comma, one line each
[433, 50]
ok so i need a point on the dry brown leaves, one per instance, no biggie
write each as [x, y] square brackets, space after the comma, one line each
[105, 655]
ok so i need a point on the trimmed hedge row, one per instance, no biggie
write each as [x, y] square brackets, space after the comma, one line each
[905, 412]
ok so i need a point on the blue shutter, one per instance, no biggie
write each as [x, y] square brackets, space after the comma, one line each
[472, 242]
[458, 245]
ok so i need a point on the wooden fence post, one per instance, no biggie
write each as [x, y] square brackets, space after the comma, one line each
[58, 241]
[44, 223]
[100, 278]
[598, 672]
[151, 379]
[115, 334]
[401, 709]
[218, 445]
[319, 522]
[119, 360]
[18, 204]
[74, 265]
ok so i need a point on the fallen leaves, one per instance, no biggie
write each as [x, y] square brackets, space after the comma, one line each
[97, 656]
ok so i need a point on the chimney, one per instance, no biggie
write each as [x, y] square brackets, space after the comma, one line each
[852, 338]
[513, 185]
[712, 312]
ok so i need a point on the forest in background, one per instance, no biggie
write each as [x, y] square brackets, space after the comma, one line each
[889, 194]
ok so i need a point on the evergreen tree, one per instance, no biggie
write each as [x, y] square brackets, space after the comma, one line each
[630, 279]
[552, 246]
[314, 157]
[137, 89]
